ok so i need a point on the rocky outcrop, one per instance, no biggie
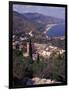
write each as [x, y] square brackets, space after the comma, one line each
[37, 81]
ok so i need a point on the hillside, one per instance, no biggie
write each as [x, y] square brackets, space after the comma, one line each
[42, 19]
[21, 24]
[32, 22]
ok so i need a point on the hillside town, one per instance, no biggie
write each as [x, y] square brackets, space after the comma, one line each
[44, 50]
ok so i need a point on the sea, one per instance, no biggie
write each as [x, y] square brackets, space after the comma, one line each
[56, 31]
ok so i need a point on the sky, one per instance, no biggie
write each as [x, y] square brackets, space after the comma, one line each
[58, 12]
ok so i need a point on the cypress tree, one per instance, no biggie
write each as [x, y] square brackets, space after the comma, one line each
[30, 51]
[17, 46]
[38, 58]
[17, 49]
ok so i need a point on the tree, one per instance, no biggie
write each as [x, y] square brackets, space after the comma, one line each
[38, 58]
[17, 46]
[30, 52]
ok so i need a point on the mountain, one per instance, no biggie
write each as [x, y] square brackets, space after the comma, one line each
[34, 23]
[42, 19]
[21, 24]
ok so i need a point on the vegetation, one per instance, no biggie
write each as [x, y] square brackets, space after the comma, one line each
[38, 60]
[25, 68]
[30, 52]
